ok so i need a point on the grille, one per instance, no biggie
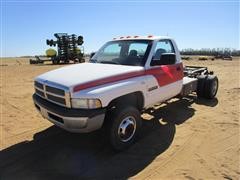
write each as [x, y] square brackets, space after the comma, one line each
[39, 85]
[53, 94]
[55, 90]
[41, 93]
[56, 99]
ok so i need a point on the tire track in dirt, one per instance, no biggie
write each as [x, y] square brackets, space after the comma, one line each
[17, 108]
[170, 158]
[192, 143]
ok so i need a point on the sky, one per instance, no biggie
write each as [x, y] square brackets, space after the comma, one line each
[25, 24]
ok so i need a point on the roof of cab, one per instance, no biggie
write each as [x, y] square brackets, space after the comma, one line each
[149, 37]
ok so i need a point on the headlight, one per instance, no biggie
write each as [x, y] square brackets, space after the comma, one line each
[86, 103]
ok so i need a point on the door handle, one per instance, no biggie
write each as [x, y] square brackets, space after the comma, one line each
[178, 68]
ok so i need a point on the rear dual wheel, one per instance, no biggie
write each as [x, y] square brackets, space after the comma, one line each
[207, 86]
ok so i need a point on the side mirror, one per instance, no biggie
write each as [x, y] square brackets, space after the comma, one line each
[92, 54]
[165, 59]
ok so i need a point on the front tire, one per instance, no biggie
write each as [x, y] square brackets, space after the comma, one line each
[124, 126]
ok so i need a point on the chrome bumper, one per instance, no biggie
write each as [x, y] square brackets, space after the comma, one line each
[81, 124]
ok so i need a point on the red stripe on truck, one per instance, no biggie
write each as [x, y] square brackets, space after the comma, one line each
[164, 74]
[108, 80]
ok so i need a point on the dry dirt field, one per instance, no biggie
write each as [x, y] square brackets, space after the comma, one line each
[184, 139]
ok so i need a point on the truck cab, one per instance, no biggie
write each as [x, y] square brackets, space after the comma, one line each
[126, 75]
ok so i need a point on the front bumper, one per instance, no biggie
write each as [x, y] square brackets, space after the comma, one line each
[73, 120]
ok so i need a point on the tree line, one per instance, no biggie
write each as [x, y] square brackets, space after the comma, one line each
[211, 52]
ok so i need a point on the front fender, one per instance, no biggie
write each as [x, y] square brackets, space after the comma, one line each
[108, 92]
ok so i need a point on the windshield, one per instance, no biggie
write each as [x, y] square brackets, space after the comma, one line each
[125, 52]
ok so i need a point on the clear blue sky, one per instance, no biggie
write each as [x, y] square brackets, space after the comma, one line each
[26, 25]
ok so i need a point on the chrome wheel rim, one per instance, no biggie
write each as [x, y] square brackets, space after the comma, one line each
[127, 128]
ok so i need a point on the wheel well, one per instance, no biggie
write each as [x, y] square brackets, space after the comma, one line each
[135, 99]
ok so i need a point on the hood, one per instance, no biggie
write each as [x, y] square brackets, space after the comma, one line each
[77, 74]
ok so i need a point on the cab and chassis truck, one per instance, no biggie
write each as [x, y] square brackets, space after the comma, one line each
[126, 76]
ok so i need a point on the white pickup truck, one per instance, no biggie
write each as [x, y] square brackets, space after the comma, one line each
[127, 75]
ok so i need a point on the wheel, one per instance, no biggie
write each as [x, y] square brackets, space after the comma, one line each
[201, 85]
[123, 127]
[55, 61]
[51, 42]
[81, 60]
[211, 86]
[66, 62]
[80, 40]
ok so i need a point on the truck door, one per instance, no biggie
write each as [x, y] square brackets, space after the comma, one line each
[168, 75]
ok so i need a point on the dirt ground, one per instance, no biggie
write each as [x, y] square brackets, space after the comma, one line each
[183, 139]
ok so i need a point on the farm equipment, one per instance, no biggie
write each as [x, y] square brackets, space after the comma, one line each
[224, 56]
[67, 50]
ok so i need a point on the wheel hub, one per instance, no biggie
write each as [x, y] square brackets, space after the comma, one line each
[127, 129]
